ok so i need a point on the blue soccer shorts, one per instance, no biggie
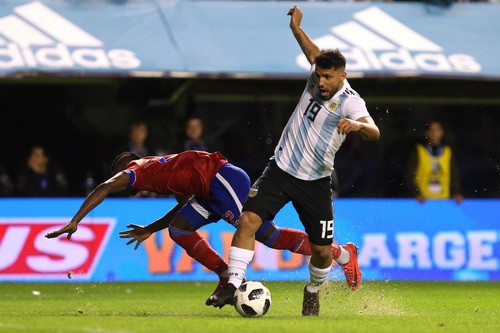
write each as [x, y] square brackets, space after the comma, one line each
[228, 191]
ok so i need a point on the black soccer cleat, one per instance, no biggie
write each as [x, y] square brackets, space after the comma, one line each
[310, 305]
[223, 281]
[222, 297]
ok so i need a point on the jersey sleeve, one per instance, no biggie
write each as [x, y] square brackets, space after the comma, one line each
[355, 108]
[132, 176]
[132, 170]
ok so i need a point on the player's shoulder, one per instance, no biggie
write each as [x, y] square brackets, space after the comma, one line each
[349, 91]
[146, 162]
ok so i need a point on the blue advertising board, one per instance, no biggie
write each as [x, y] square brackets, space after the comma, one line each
[175, 38]
[398, 240]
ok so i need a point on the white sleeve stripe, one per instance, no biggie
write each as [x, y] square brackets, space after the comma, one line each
[197, 207]
[231, 191]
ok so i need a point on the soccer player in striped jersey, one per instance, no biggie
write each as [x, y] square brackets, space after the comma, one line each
[327, 111]
[218, 190]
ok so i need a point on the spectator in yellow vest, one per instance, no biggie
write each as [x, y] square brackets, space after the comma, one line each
[433, 171]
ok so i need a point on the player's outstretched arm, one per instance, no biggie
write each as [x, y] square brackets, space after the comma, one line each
[139, 233]
[310, 49]
[365, 126]
[164, 221]
[115, 184]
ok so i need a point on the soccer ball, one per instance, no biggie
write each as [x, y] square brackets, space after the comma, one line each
[252, 299]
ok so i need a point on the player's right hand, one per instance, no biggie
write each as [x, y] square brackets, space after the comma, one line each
[138, 234]
[70, 228]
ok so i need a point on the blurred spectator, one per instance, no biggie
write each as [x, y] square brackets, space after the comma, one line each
[6, 185]
[432, 169]
[194, 135]
[138, 134]
[40, 176]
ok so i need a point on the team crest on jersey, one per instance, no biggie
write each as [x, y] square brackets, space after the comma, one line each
[333, 106]
[253, 191]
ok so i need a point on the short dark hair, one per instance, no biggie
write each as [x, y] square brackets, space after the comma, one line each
[428, 124]
[138, 121]
[194, 117]
[330, 59]
[126, 156]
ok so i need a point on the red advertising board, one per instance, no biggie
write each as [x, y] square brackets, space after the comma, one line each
[25, 252]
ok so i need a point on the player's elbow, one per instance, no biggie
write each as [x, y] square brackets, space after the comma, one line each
[370, 133]
[375, 136]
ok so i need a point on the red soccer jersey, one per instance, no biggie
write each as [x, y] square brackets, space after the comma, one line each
[187, 173]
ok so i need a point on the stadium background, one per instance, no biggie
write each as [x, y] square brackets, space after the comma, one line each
[245, 88]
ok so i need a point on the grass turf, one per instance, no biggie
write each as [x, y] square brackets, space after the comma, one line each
[179, 307]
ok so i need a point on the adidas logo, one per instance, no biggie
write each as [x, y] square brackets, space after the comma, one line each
[375, 41]
[36, 36]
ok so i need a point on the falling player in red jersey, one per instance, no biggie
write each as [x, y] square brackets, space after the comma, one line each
[217, 190]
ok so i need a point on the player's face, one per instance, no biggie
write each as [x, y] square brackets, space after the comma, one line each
[328, 81]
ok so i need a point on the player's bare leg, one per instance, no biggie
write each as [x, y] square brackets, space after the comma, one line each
[240, 255]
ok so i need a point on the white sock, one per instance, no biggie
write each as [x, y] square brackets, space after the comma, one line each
[317, 277]
[312, 288]
[238, 262]
[344, 256]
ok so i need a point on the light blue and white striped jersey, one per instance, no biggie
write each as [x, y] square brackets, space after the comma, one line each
[308, 144]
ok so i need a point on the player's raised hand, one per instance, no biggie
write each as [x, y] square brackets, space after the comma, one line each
[138, 234]
[296, 15]
[70, 228]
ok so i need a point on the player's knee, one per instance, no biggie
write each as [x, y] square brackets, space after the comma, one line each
[249, 222]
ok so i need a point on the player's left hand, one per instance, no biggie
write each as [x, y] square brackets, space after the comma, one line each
[346, 126]
[70, 228]
[138, 234]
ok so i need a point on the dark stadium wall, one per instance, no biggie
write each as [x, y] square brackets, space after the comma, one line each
[83, 121]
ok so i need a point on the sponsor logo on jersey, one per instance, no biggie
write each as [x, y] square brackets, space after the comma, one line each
[376, 41]
[253, 191]
[26, 254]
[36, 36]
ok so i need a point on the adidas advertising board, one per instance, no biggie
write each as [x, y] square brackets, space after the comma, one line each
[36, 36]
[375, 41]
[246, 39]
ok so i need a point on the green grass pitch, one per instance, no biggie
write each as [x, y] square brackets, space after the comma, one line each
[391, 306]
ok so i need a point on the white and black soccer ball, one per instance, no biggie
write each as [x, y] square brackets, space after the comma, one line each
[252, 299]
